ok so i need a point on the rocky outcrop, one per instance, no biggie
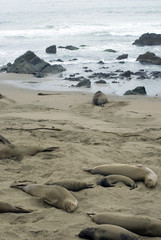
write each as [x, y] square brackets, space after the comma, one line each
[149, 58]
[137, 91]
[51, 49]
[84, 83]
[148, 39]
[29, 63]
[123, 56]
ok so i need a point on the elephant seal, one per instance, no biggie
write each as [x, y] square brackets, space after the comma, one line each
[17, 153]
[99, 98]
[56, 196]
[135, 172]
[142, 225]
[6, 207]
[107, 232]
[112, 179]
[71, 184]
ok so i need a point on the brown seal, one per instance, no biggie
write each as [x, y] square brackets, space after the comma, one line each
[107, 232]
[71, 184]
[99, 98]
[111, 180]
[6, 207]
[56, 196]
[17, 153]
[135, 172]
[142, 225]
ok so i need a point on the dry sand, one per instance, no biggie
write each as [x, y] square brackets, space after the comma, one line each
[126, 130]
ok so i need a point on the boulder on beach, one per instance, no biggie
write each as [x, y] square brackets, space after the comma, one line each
[123, 56]
[149, 58]
[51, 49]
[148, 39]
[30, 63]
[137, 91]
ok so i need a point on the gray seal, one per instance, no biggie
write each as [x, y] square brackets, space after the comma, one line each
[56, 196]
[6, 207]
[112, 179]
[71, 184]
[107, 232]
[135, 172]
[142, 225]
[99, 98]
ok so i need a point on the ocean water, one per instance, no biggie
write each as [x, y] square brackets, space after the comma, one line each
[98, 25]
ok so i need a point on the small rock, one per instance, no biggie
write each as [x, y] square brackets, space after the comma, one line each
[123, 56]
[149, 58]
[51, 49]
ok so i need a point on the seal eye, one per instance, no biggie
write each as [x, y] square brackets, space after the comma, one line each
[69, 207]
[149, 182]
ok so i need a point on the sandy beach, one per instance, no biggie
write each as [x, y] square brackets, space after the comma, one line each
[126, 130]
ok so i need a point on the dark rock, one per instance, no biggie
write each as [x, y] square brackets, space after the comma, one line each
[123, 56]
[126, 74]
[141, 75]
[84, 83]
[101, 62]
[149, 58]
[110, 50]
[100, 75]
[100, 82]
[1, 96]
[148, 39]
[75, 79]
[69, 47]
[74, 59]
[137, 91]
[51, 49]
[88, 70]
[156, 74]
[29, 63]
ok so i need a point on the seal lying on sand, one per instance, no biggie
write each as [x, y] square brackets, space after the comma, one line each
[107, 232]
[56, 196]
[99, 98]
[6, 207]
[17, 153]
[71, 184]
[142, 225]
[135, 172]
[111, 180]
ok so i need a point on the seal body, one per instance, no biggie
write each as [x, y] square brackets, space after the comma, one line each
[135, 172]
[17, 153]
[56, 196]
[72, 185]
[99, 98]
[6, 207]
[112, 179]
[142, 225]
[107, 232]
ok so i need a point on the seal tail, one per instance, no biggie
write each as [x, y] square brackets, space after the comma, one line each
[21, 210]
[21, 184]
[87, 169]
[50, 149]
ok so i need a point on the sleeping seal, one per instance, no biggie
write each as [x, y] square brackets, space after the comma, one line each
[107, 232]
[99, 98]
[17, 153]
[112, 179]
[71, 184]
[142, 225]
[6, 207]
[56, 196]
[135, 172]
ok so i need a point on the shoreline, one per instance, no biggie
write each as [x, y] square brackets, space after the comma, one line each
[126, 130]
